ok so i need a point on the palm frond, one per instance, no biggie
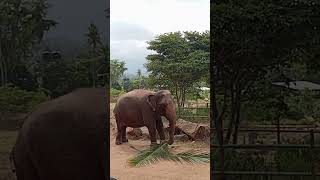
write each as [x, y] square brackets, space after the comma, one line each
[149, 156]
[159, 152]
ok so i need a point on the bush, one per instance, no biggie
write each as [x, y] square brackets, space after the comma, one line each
[114, 94]
[305, 104]
[15, 100]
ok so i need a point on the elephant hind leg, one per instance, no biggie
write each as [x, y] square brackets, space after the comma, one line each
[119, 130]
[25, 170]
[124, 134]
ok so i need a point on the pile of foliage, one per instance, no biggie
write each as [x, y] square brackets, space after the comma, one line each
[162, 152]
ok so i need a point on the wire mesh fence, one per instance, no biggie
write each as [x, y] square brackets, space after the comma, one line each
[278, 161]
[194, 114]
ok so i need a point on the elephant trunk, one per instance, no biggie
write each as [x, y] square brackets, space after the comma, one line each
[172, 117]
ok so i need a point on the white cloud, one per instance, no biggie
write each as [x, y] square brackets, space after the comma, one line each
[135, 22]
[126, 31]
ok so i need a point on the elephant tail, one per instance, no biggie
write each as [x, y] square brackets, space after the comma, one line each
[12, 162]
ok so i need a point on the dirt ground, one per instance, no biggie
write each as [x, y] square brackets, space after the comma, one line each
[164, 170]
[7, 139]
[119, 156]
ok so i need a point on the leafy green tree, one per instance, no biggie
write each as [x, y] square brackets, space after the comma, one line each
[180, 60]
[58, 76]
[117, 69]
[127, 84]
[23, 24]
[96, 53]
[92, 66]
[139, 76]
[94, 40]
[251, 38]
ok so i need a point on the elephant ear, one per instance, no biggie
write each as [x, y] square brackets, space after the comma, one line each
[151, 99]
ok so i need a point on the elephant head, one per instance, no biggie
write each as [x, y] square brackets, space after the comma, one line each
[162, 103]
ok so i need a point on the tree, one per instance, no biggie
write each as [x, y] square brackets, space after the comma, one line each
[127, 84]
[117, 69]
[139, 78]
[23, 24]
[251, 38]
[94, 40]
[58, 76]
[95, 50]
[181, 59]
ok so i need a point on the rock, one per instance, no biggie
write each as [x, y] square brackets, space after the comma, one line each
[192, 131]
[202, 133]
[134, 133]
[181, 137]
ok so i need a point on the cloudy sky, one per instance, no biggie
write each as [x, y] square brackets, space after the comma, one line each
[135, 22]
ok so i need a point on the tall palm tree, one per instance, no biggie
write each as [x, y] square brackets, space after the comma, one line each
[95, 46]
[94, 40]
[139, 77]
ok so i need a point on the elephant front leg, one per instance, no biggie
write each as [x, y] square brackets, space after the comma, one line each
[160, 130]
[152, 134]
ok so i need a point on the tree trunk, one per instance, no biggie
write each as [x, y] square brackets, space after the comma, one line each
[216, 117]
[232, 118]
[2, 73]
[238, 106]
[5, 72]
[177, 96]
[236, 128]
[93, 76]
[1, 66]
[183, 96]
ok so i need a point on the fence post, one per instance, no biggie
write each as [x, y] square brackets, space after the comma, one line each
[222, 161]
[312, 154]
[278, 130]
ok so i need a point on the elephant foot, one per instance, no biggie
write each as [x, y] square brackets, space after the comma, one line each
[118, 142]
[125, 140]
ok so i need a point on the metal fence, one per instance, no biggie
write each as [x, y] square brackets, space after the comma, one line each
[313, 174]
[194, 113]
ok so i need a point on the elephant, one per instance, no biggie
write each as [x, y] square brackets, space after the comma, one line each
[140, 108]
[65, 138]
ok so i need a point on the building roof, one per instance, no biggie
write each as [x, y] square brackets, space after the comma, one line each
[299, 85]
[204, 88]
